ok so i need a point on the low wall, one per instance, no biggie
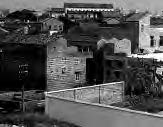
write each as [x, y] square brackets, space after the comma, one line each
[90, 107]
[108, 93]
[95, 115]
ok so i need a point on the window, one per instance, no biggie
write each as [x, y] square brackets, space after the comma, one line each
[161, 41]
[76, 61]
[142, 28]
[63, 70]
[60, 28]
[64, 59]
[77, 76]
[152, 41]
[55, 27]
[80, 49]
[49, 27]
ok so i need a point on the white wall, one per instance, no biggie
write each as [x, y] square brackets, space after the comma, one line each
[87, 115]
[144, 36]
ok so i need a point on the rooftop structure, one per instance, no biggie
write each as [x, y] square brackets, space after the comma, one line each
[87, 7]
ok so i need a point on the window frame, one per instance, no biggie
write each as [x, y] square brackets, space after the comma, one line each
[77, 76]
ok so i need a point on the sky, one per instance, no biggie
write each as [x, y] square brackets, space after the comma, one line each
[153, 5]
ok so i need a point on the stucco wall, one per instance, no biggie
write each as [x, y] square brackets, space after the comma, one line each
[87, 115]
[144, 28]
[61, 72]
[62, 65]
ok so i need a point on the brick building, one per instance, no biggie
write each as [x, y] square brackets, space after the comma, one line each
[66, 67]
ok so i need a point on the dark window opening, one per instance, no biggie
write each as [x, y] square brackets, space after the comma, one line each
[50, 27]
[77, 76]
[108, 73]
[63, 70]
[80, 49]
[109, 63]
[161, 41]
[152, 41]
[142, 28]
[117, 74]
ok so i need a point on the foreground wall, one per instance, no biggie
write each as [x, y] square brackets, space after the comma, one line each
[88, 115]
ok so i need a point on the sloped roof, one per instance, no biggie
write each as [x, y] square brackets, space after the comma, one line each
[110, 14]
[112, 21]
[3, 30]
[56, 21]
[156, 20]
[20, 38]
[82, 38]
[59, 10]
[136, 16]
[88, 5]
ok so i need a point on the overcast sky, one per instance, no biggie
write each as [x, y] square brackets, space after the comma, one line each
[154, 5]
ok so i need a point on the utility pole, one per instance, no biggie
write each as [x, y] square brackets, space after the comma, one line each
[23, 74]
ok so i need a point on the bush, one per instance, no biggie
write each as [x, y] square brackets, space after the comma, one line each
[33, 120]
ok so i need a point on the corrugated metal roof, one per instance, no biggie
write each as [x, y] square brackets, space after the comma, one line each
[112, 21]
[88, 5]
[157, 26]
[56, 21]
[136, 16]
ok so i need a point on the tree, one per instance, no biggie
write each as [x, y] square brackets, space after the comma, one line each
[33, 120]
[67, 23]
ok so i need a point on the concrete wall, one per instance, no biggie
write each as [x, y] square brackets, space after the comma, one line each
[129, 31]
[144, 28]
[88, 115]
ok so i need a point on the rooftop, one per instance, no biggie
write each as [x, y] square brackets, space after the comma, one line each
[136, 16]
[88, 5]
[55, 20]
[19, 38]
[57, 10]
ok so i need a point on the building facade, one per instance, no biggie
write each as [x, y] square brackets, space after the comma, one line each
[57, 12]
[66, 67]
[52, 24]
[85, 11]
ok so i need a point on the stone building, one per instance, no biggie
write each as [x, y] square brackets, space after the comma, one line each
[52, 24]
[66, 67]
